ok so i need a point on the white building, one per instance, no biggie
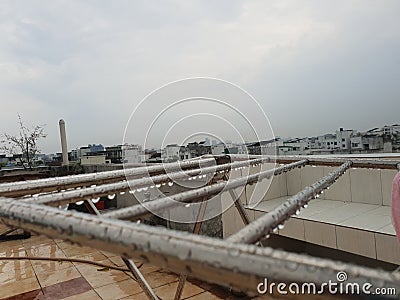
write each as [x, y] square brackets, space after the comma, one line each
[356, 143]
[270, 148]
[367, 142]
[94, 160]
[171, 153]
[185, 153]
[242, 149]
[296, 146]
[217, 149]
[343, 137]
[328, 142]
[132, 154]
[391, 129]
[340, 141]
[77, 154]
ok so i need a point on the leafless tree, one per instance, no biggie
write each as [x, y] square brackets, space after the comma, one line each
[25, 142]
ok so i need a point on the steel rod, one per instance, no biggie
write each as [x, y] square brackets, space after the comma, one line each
[17, 189]
[123, 186]
[241, 210]
[265, 224]
[140, 279]
[213, 260]
[145, 208]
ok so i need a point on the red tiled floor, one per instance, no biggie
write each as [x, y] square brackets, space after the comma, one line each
[56, 280]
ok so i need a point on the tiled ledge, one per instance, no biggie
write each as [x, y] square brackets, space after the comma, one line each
[359, 228]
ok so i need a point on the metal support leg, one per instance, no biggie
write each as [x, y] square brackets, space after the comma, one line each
[196, 230]
[181, 284]
[241, 210]
[140, 279]
[129, 263]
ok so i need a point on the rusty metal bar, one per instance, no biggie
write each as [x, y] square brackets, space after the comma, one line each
[123, 186]
[181, 285]
[18, 189]
[145, 208]
[140, 279]
[241, 210]
[266, 223]
[213, 260]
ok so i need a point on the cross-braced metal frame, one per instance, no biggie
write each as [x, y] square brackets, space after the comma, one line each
[235, 262]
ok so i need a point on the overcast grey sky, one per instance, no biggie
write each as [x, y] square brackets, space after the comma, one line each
[314, 66]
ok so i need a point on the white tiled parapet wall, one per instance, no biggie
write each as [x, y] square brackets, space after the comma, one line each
[353, 215]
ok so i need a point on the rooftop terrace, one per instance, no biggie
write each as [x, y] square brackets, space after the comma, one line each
[241, 260]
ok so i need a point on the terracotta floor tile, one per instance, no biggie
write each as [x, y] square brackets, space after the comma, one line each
[57, 276]
[16, 275]
[66, 289]
[90, 295]
[12, 251]
[190, 289]
[38, 244]
[119, 290]
[49, 266]
[16, 243]
[3, 228]
[146, 268]
[74, 251]
[140, 296]
[92, 256]
[11, 265]
[156, 279]
[98, 278]
[65, 244]
[48, 249]
[108, 254]
[89, 267]
[168, 291]
[117, 260]
[204, 296]
[19, 287]
[37, 239]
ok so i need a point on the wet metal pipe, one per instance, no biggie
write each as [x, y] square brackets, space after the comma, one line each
[17, 189]
[160, 204]
[213, 260]
[113, 188]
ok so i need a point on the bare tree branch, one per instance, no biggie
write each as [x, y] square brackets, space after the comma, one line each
[24, 143]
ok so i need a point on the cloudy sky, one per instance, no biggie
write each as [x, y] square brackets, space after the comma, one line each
[313, 66]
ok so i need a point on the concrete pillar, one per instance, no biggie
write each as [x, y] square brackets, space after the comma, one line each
[63, 143]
